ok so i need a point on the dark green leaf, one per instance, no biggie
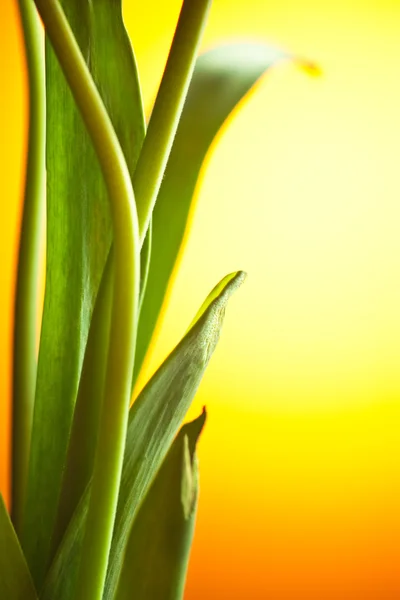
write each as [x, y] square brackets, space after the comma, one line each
[157, 554]
[78, 241]
[15, 580]
[153, 423]
[221, 79]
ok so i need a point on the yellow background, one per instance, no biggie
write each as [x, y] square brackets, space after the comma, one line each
[300, 474]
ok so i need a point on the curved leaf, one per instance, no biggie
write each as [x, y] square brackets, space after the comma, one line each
[157, 554]
[154, 420]
[221, 79]
[78, 241]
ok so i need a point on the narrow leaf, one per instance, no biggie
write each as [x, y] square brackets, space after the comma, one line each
[157, 554]
[78, 241]
[84, 431]
[145, 258]
[154, 420]
[15, 580]
[221, 79]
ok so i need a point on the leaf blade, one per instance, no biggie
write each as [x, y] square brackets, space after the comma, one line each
[162, 533]
[79, 238]
[154, 420]
[221, 79]
[85, 425]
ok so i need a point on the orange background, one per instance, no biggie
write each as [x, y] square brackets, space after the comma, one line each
[300, 473]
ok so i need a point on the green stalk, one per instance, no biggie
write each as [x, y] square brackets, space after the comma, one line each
[26, 297]
[114, 415]
[168, 108]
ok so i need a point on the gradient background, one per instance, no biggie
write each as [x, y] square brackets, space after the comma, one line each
[300, 473]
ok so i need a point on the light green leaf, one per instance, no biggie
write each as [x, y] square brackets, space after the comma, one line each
[157, 553]
[221, 79]
[15, 580]
[153, 423]
[78, 241]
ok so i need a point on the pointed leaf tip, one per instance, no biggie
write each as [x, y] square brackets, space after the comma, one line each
[189, 481]
[221, 292]
[193, 431]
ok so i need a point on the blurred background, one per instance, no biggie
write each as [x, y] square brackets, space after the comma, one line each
[300, 470]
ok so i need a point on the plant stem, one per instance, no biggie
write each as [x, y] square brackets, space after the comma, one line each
[114, 415]
[168, 108]
[26, 297]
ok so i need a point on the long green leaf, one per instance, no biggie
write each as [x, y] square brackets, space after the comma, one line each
[221, 79]
[85, 426]
[78, 241]
[157, 555]
[153, 423]
[15, 580]
[84, 431]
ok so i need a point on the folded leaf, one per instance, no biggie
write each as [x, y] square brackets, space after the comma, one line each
[157, 554]
[221, 79]
[154, 420]
[15, 580]
[78, 241]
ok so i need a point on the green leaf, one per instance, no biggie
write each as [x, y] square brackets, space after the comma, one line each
[145, 258]
[161, 536]
[15, 580]
[154, 420]
[84, 431]
[221, 79]
[78, 241]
